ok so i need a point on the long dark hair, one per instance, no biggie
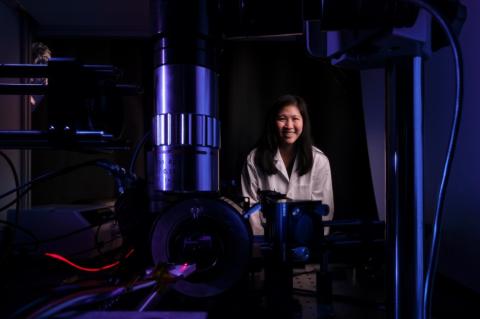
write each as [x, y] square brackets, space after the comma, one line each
[269, 141]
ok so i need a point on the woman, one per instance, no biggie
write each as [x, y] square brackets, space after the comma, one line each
[285, 160]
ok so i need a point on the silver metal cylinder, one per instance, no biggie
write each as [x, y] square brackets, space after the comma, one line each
[186, 129]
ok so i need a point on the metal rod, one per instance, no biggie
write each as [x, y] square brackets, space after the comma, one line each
[56, 140]
[23, 70]
[23, 89]
[42, 70]
[40, 89]
[148, 302]
[404, 221]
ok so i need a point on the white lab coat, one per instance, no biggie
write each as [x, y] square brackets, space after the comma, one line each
[315, 185]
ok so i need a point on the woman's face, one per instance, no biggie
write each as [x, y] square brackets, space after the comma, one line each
[289, 124]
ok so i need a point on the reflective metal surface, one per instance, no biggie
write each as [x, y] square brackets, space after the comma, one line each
[404, 189]
[184, 88]
[186, 131]
[186, 168]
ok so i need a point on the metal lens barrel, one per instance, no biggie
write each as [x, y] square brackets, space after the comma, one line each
[186, 129]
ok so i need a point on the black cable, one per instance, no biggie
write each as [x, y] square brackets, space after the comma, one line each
[136, 152]
[81, 252]
[53, 174]
[17, 185]
[17, 227]
[74, 232]
[15, 200]
[10, 238]
[38, 242]
[27, 187]
[99, 163]
[438, 217]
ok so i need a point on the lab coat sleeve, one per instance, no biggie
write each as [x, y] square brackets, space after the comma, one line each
[249, 181]
[250, 186]
[322, 185]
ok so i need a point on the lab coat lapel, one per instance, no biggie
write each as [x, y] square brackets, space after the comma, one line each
[280, 165]
[293, 178]
[294, 175]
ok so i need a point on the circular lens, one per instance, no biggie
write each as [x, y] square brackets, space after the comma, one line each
[208, 233]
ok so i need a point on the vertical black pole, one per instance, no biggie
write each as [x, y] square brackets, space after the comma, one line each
[404, 188]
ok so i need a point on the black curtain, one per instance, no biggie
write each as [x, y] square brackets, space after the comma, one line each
[253, 74]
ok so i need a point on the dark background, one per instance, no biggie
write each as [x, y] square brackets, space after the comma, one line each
[252, 75]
